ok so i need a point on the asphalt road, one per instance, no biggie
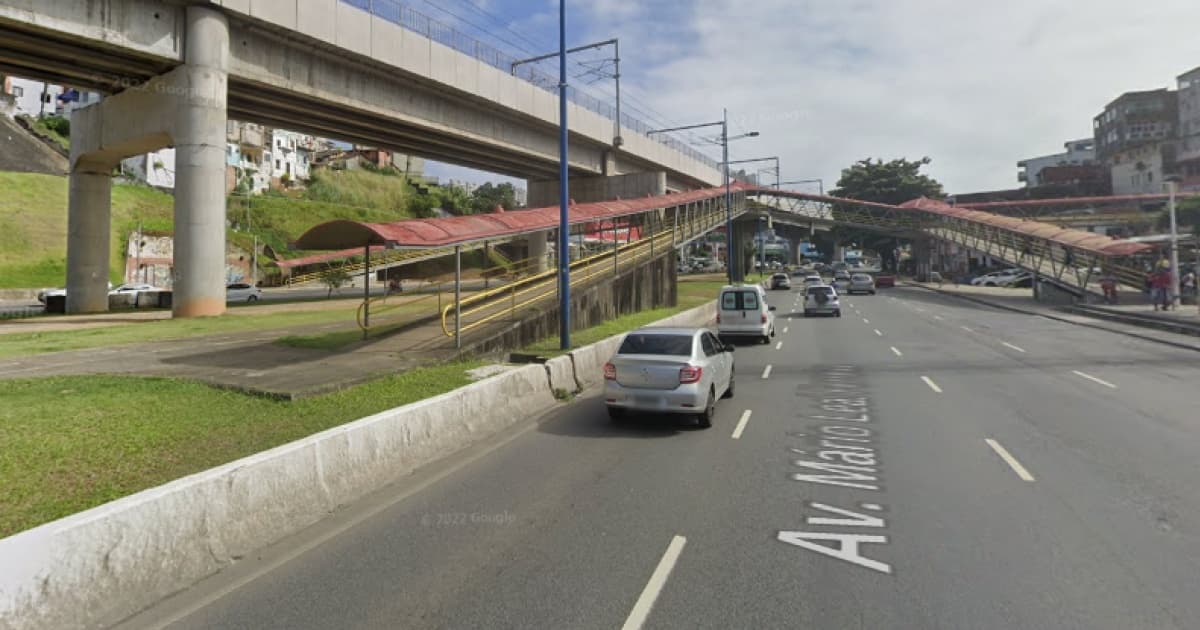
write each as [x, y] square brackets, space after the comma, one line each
[920, 462]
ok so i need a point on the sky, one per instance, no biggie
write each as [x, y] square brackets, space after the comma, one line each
[975, 85]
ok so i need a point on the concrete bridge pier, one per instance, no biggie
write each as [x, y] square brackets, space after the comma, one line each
[535, 250]
[184, 108]
[200, 168]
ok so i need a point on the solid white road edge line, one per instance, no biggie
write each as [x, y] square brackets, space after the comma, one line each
[641, 609]
[931, 384]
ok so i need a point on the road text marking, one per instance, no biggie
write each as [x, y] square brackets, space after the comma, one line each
[931, 384]
[741, 425]
[1009, 459]
[897, 352]
[1094, 379]
[767, 372]
[1009, 345]
[641, 610]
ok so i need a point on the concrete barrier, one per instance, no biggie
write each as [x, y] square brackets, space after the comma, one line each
[561, 372]
[115, 559]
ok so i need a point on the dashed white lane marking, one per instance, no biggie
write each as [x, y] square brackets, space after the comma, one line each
[785, 329]
[938, 317]
[641, 609]
[931, 384]
[877, 333]
[741, 425]
[866, 321]
[1094, 379]
[1009, 345]
[897, 352]
[767, 372]
[778, 345]
[967, 329]
[1009, 459]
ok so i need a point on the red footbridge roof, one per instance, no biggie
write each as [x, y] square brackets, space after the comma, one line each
[349, 237]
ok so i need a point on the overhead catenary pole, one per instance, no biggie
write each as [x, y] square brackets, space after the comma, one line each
[729, 259]
[564, 254]
[458, 297]
[1175, 294]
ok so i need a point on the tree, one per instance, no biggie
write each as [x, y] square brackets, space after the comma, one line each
[454, 199]
[485, 198]
[893, 182]
[334, 278]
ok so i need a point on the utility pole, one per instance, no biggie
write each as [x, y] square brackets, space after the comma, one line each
[137, 269]
[1172, 182]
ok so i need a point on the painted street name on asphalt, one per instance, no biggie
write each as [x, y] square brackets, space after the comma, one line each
[839, 452]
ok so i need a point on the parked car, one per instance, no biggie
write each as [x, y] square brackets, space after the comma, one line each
[999, 279]
[1021, 280]
[860, 283]
[885, 280]
[134, 287]
[781, 281]
[47, 293]
[669, 370]
[983, 280]
[742, 311]
[242, 292]
[821, 300]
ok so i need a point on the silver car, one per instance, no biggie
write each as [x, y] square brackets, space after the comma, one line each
[669, 370]
[861, 283]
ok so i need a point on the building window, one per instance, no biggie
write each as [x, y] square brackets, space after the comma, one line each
[278, 165]
[18, 91]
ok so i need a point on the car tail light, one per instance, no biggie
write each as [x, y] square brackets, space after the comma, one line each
[690, 374]
[764, 318]
[610, 372]
[718, 318]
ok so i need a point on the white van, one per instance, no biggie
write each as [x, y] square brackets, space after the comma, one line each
[742, 311]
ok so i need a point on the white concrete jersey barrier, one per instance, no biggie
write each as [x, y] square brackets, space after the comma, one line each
[115, 559]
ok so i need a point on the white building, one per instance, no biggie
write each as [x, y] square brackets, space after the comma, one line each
[289, 155]
[1078, 153]
[37, 98]
[1139, 170]
[156, 169]
[1189, 129]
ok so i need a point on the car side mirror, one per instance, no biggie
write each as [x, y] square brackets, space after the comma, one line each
[772, 308]
[728, 347]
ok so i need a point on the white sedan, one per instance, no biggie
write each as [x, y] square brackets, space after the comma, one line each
[669, 370]
[242, 292]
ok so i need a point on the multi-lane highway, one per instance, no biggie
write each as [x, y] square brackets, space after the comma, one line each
[920, 462]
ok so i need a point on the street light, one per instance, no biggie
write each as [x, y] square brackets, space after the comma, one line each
[724, 142]
[564, 252]
[1172, 181]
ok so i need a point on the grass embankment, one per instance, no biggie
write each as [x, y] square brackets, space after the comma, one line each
[33, 227]
[692, 293]
[18, 344]
[33, 219]
[71, 443]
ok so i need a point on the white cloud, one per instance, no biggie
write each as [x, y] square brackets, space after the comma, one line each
[974, 85]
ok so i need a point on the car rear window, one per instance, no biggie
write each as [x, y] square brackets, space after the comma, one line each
[860, 277]
[646, 343]
[816, 290]
[746, 300]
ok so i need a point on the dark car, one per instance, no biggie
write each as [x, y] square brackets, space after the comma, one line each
[885, 280]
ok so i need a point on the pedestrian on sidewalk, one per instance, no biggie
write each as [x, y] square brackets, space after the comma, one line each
[1160, 283]
[1188, 283]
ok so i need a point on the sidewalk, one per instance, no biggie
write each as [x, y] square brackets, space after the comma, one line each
[1131, 320]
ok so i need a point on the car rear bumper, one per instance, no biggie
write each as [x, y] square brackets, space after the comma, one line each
[688, 398]
[823, 309]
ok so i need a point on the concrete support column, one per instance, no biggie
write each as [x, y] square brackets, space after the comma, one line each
[200, 167]
[535, 246]
[89, 219]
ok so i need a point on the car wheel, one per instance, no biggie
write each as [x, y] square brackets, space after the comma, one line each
[615, 413]
[837, 313]
[806, 313]
[764, 339]
[872, 293]
[252, 298]
[729, 391]
[705, 418]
